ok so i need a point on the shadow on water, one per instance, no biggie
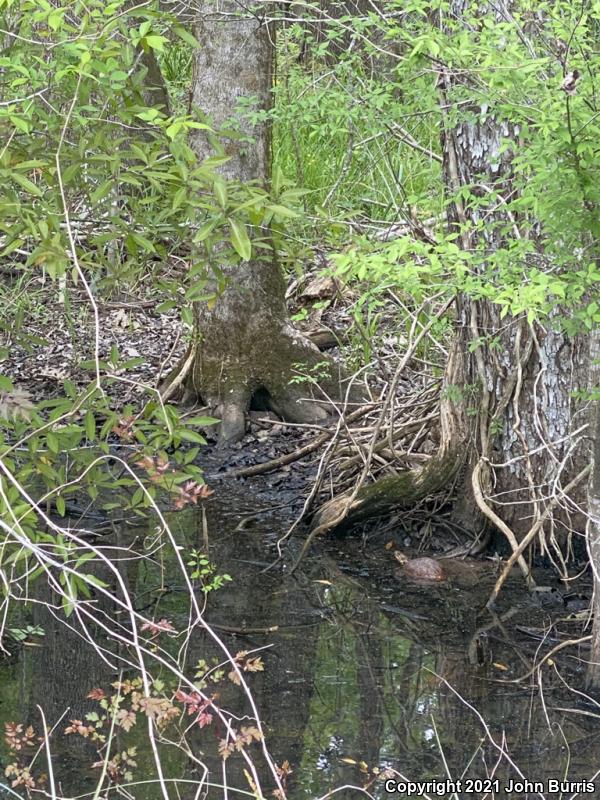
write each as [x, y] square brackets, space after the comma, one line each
[364, 672]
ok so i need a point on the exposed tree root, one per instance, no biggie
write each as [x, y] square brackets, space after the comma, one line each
[405, 488]
[227, 379]
[401, 490]
[520, 547]
[499, 523]
[174, 384]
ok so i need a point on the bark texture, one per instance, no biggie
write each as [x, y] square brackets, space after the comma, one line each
[155, 91]
[246, 345]
[523, 444]
[594, 509]
[525, 375]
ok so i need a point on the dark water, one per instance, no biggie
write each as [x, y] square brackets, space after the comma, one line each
[365, 672]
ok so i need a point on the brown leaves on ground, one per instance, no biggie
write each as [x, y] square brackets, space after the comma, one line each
[15, 404]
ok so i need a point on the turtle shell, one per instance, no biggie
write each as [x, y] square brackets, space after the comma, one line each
[422, 569]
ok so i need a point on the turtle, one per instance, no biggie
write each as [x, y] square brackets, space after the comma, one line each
[421, 569]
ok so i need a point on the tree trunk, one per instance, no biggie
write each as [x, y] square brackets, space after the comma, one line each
[593, 675]
[524, 375]
[155, 91]
[520, 379]
[245, 346]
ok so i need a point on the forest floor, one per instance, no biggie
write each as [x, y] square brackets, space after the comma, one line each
[52, 342]
[45, 342]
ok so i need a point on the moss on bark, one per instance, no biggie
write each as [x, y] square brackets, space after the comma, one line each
[405, 488]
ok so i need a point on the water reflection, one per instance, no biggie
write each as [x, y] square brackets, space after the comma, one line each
[362, 674]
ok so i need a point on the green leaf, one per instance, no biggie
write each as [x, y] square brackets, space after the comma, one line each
[96, 581]
[55, 18]
[220, 190]
[179, 197]
[205, 230]
[276, 179]
[26, 184]
[197, 291]
[60, 505]
[138, 497]
[282, 211]
[144, 243]
[90, 425]
[187, 316]
[156, 42]
[102, 190]
[186, 36]
[191, 436]
[52, 442]
[167, 305]
[149, 114]
[240, 239]
[68, 606]
[20, 123]
[174, 128]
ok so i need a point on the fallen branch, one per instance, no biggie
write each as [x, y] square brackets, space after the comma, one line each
[405, 488]
[295, 455]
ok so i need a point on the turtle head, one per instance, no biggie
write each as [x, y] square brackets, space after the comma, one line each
[400, 557]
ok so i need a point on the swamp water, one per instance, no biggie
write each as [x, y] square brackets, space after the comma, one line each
[364, 672]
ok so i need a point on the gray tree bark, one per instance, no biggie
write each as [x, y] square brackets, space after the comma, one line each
[521, 379]
[155, 92]
[593, 531]
[246, 345]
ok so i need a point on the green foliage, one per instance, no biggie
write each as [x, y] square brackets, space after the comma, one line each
[304, 374]
[335, 130]
[101, 190]
[22, 634]
[360, 102]
[98, 185]
[205, 573]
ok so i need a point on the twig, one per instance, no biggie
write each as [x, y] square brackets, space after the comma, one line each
[533, 531]
[289, 458]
